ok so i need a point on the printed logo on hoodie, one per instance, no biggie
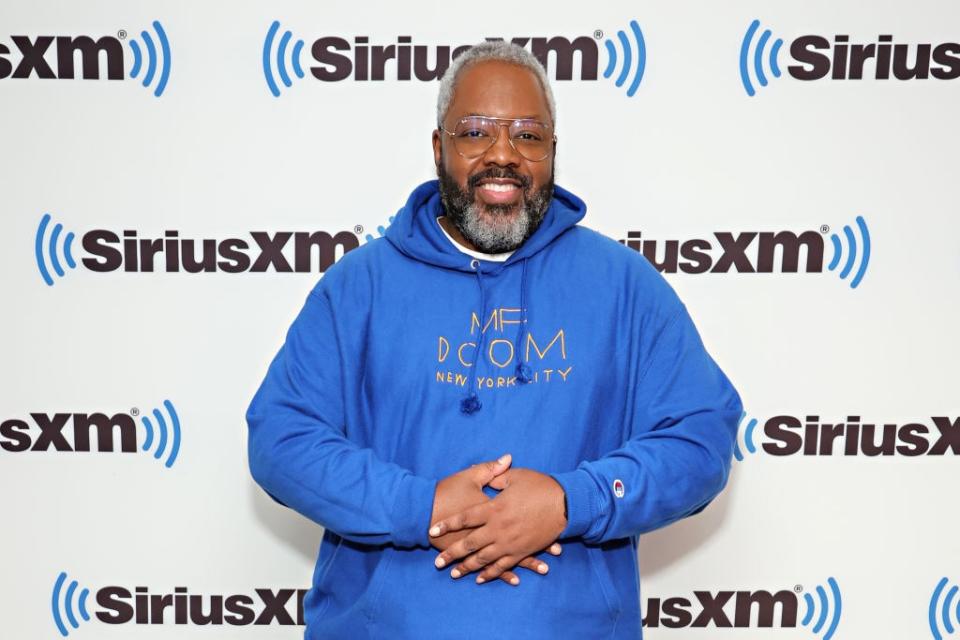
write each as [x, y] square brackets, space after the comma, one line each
[504, 347]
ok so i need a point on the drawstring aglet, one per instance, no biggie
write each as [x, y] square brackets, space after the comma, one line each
[524, 374]
[470, 404]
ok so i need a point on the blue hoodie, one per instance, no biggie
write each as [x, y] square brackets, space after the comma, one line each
[589, 370]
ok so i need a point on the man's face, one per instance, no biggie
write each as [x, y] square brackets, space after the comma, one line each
[498, 199]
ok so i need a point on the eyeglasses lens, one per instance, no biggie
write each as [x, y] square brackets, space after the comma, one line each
[474, 135]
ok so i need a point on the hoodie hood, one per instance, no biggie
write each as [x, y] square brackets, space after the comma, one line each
[416, 234]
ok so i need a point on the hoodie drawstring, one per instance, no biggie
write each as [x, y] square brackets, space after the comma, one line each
[523, 370]
[471, 402]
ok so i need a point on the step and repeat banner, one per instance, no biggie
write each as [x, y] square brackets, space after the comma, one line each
[175, 177]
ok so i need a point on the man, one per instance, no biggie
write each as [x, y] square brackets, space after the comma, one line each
[487, 323]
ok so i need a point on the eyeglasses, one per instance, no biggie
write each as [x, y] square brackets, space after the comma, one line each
[473, 135]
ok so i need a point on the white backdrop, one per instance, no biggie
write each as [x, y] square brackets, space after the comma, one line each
[217, 156]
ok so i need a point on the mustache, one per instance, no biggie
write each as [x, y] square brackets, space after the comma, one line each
[498, 172]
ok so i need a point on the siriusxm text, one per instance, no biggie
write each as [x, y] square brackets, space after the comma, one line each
[884, 59]
[46, 432]
[341, 59]
[33, 60]
[713, 609]
[119, 606]
[790, 435]
[311, 252]
[743, 252]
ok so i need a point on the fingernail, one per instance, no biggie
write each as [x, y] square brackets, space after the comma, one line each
[439, 562]
[543, 568]
[503, 459]
[455, 573]
[514, 581]
[435, 530]
[480, 580]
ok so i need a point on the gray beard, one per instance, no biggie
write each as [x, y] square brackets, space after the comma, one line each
[501, 234]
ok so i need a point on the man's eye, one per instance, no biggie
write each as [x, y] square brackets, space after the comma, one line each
[473, 133]
[527, 136]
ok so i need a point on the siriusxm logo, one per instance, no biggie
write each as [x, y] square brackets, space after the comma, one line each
[750, 609]
[118, 605]
[381, 230]
[941, 615]
[789, 435]
[761, 252]
[161, 433]
[817, 58]
[337, 59]
[151, 60]
[109, 251]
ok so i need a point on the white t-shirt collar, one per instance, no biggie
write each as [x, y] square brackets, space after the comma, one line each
[492, 257]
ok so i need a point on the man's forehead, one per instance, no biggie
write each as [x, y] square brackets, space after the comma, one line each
[499, 89]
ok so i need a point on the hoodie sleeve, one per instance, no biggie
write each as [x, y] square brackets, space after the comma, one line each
[678, 455]
[300, 454]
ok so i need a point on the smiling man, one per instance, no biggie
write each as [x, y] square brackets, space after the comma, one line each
[488, 322]
[497, 188]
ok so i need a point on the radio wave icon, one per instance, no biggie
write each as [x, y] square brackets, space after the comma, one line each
[154, 59]
[851, 251]
[280, 58]
[67, 605]
[381, 230]
[628, 61]
[823, 610]
[164, 435]
[747, 437]
[47, 249]
[949, 617]
[758, 57]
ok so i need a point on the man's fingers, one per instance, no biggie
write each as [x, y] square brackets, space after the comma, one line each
[510, 578]
[487, 555]
[555, 549]
[484, 472]
[501, 482]
[472, 543]
[496, 568]
[537, 566]
[469, 518]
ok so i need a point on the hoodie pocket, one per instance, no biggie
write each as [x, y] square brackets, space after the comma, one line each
[377, 582]
[600, 569]
[322, 583]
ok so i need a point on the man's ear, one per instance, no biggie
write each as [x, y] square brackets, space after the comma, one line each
[436, 149]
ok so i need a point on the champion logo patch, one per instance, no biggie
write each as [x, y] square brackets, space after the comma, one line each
[618, 488]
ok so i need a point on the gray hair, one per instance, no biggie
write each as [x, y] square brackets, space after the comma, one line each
[498, 50]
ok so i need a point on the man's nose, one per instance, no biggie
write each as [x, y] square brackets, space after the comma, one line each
[501, 152]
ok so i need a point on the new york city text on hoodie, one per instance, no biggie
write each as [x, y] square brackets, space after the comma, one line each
[411, 361]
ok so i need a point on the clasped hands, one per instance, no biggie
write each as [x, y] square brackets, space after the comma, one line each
[496, 534]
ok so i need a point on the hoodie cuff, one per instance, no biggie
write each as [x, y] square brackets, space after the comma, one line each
[580, 490]
[412, 511]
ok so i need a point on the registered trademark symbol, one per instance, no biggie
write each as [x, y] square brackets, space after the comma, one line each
[122, 34]
[134, 412]
[598, 34]
[824, 228]
[358, 229]
[798, 588]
